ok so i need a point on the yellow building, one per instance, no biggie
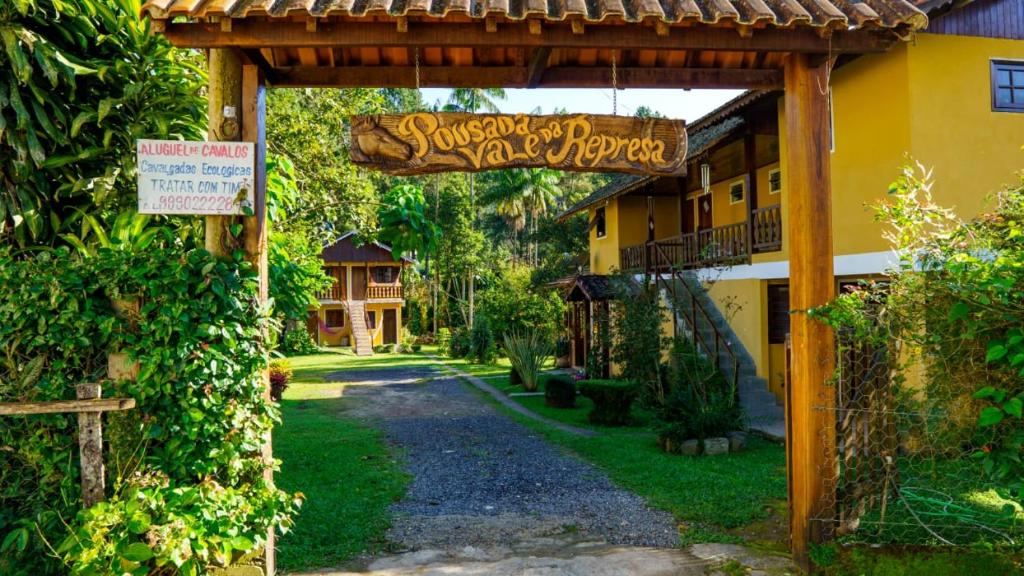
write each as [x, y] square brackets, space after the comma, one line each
[364, 307]
[953, 99]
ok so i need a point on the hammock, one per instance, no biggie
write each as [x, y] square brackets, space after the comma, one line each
[326, 329]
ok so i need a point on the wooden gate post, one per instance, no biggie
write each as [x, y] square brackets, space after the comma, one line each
[237, 111]
[90, 447]
[810, 415]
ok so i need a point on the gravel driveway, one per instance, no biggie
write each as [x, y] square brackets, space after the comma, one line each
[486, 486]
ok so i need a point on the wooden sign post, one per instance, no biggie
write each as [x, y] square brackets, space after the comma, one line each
[428, 142]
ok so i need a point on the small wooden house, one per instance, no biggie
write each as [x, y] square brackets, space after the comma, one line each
[363, 308]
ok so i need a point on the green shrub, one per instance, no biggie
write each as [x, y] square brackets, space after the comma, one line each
[702, 403]
[514, 378]
[415, 348]
[562, 348]
[384, 348]
[459, 344]
[298, 342]
[482, 347]
[193, 441]
[612, 399]
[528, 352]
[444, 338]
[560, 391]
[512, 303]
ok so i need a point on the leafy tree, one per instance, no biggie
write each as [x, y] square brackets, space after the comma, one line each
[404, 223]
[513, 306]
[644, 111]
[80, 81]
[309, 128]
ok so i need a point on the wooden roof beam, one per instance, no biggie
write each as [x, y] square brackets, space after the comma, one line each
[520, 77]
[248, 33]
[538, 63]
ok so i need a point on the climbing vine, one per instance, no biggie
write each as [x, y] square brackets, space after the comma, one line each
[956, 303]
[185, 469]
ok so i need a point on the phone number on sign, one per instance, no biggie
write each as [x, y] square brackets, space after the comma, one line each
[196, 203]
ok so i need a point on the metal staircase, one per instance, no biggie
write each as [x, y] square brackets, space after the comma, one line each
[699, 319]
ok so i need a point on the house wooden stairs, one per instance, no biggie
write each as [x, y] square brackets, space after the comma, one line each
[363, 342]
[698, 318]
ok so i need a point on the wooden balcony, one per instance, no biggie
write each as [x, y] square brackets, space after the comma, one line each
[719, 246]
[374, 292]
[335, 292]
[384, 292]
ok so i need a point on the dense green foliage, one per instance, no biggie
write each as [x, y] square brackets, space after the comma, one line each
[560, 391]
[956, 305]
[80, 81]
[701, 402]
[613, 400]
[405, 226]
[636, 335]
[512, 304]
[194, 441]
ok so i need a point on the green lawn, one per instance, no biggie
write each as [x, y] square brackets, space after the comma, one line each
[347, 473]
[715, 499]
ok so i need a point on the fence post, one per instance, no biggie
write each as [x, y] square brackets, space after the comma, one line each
[90, 446]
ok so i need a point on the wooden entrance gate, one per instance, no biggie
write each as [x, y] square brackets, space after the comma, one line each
[564, 43]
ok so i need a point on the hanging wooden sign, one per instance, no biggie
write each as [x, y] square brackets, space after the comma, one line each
[427, 142]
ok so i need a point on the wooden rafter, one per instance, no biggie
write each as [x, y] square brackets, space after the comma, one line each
[524, 77]
[265, 34]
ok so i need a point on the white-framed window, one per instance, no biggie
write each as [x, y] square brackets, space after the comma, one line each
[737, 191]
[775, 181]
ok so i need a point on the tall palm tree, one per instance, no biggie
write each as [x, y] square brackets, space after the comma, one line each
[540, 187]
[521, 196]
[472, 100]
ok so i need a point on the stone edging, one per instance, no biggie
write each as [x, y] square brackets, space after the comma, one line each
[508, 402]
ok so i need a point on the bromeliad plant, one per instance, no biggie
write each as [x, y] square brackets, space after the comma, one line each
[528, 352]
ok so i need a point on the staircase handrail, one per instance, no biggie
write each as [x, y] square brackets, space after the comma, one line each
[720, 341]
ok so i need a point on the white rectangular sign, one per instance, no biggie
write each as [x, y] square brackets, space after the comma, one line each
[177, 177]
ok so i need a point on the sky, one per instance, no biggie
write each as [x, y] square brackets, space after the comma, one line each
[686, 105]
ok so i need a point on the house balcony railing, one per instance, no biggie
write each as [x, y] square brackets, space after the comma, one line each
[335, 292]
[375, 292]
[384, 292]
[719, 246]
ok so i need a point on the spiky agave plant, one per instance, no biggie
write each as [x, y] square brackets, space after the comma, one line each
[528, 352]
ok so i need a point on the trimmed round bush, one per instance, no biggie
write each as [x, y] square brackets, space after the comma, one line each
[514, 378]
[560, 392]
[612, 400]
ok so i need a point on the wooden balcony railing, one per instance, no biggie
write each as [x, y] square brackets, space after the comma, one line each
[718, 246]
[384, 291]
[335, 292]
[767, 228]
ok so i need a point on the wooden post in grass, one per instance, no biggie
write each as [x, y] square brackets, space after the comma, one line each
[810, 400]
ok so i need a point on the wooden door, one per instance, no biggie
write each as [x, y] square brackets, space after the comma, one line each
[313, 326]
[358, 283]
[390, 326]
[705, 208]
[579, 331]
[689, 216]
[341, 274]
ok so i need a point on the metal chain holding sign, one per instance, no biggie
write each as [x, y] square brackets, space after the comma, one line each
[416, 57]
[615, 87]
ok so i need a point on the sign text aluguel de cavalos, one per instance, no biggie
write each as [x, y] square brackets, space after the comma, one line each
[426, 142]
[203, 178]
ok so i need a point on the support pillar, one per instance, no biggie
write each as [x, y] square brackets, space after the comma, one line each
[223, 121]
[237, 112]
[810, 399]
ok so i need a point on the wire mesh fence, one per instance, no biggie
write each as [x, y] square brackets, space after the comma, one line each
[906, 469]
